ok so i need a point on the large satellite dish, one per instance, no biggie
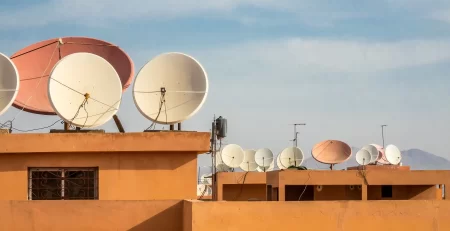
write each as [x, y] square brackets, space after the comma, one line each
[381, 154]
[35, 62]
[331, 152]
[9, 83]
[232, 155]
[249, 163]
[170, 88]
[85, 90]
[393, 154]
[363, 157]
[263, 157]
[291, 156]
[373, 151]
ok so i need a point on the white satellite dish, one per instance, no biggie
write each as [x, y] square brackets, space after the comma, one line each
[263, 157]
[249, 163]
[232, 155]
[278, 162]
[206, 179]
[291, 156]
[85, 90]
[373, 151]
[203, 190]
[220, 166]
[9, 83]
[266, 169]
[170, 88]
[363, 157]
[393, 154]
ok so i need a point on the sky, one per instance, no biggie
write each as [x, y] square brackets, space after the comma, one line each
[342, 68]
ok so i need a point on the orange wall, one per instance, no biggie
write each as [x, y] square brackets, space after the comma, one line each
[122, 176]
[91, 215]
[320, 215]
[244, 192]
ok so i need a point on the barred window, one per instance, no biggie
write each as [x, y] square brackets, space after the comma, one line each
[63, 184]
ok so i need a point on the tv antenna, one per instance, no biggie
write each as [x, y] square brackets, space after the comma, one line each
[382, 133]
[296, 133]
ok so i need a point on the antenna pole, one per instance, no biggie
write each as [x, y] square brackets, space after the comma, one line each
[213, 157]
[296, 133]
[382, 133]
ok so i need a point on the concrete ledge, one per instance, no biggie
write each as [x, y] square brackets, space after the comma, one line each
[198, 142]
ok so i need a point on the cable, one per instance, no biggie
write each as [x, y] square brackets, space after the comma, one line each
[309, 177]
[162, 101]
[242, 186]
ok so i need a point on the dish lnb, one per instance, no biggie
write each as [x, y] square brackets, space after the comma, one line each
[221, 127]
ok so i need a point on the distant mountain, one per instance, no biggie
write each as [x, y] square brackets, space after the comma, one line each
[415, 158]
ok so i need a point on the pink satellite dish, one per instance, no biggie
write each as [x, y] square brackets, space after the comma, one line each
[35, 62]
[331, 152]
[381, 155]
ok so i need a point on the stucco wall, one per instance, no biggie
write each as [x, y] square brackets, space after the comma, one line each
[91, 215]
[321, 215]
[122, 176]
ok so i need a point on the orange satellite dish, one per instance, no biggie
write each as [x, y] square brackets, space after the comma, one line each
[35, 62]
[331, 152]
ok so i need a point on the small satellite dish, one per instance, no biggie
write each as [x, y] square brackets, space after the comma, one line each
[264, 169]
[206, 179]
[232, 155]
[393, 154]
[249, 163]
[9, 83]
[263, 157]
[85, 90]
[381, 154]
[331, 152]
[203, 190]
[278, 162]
[291, 156]
[220, 166]
[373, 151]
[170, 88]
[363, 157]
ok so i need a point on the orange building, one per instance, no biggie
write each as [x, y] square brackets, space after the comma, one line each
[147, 181]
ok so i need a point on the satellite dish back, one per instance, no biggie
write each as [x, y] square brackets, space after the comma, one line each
[280, 166]
[373, 151]
[331, 152]
[89, 96]
[9, 83]
[170, 88]
[249, 163]
[35, 62]
[393, 154]
[381, 154]
[363, 157]
[291, 156]
[232, 155]
[263, 157]
[266, 169]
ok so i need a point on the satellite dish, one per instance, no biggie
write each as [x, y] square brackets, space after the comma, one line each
[263, 157]
[204, 190]
[170, 88]
[373, 151]
[9, 83]
[264, 169]
[35, 62]
[381, 154]
[220, 166]
[331, 152]
[89, 96]
[279, 163]
[249, 163]
[393, 154]
[291, 156]
[206, 179]
[363, 157]
[232, 155]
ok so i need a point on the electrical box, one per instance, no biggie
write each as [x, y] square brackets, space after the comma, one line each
[221, 127]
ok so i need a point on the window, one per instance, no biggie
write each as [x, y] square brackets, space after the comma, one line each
[63, 184]
[386, 191]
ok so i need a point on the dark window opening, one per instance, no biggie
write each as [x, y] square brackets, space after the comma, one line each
[63, 184]
[386, 191]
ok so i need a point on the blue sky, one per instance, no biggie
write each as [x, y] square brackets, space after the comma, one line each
[342, 67]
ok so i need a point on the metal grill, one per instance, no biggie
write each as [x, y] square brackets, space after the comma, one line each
[63, 184]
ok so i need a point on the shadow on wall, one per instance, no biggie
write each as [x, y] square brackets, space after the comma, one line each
[161, 222]
[105, 161]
